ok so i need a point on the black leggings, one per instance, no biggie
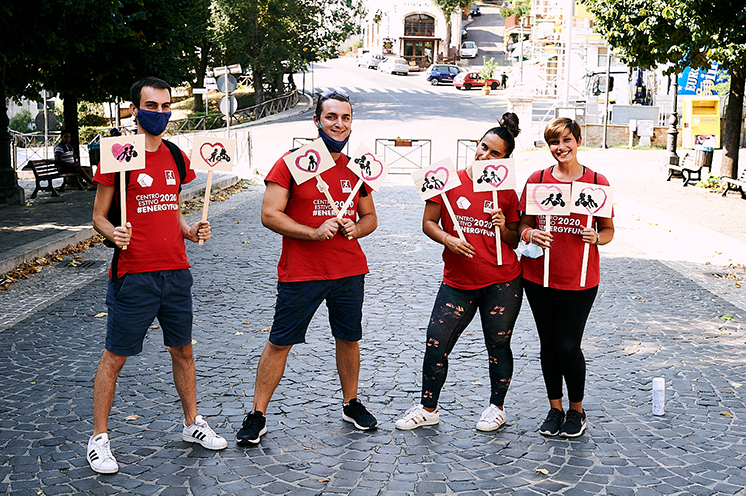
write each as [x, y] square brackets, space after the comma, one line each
[560, 317]
[454, 309]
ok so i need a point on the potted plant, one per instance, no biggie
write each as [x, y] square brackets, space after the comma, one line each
[488, 68]
[402, 142]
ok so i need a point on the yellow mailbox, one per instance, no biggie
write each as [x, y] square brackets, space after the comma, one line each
[701, 121]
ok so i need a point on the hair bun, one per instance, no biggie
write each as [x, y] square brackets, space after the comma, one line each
[510, 122]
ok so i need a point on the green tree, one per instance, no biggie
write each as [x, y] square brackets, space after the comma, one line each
[447, 8]
[275, 37]
[683, 33]
[106, 45]
[19, 76]
[520, 7]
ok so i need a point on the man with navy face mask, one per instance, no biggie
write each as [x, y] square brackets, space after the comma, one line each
[150, 278]
[321, 260]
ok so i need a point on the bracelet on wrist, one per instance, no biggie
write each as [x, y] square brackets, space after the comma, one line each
[598, 238]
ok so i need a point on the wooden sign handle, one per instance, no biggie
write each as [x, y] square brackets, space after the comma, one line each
[586, 250]
[350, 198]
[206, 204]
[453, 217]
[498, 241]
[123, 201]
[328, 195]
[546, 252]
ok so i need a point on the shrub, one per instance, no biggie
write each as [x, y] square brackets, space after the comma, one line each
[22, 122]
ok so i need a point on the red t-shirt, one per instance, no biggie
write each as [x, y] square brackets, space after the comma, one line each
[473, 213]
[566, 253]
[336, 258]
[153, 210]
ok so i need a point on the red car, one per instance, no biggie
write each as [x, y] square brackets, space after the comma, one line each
[471, 80]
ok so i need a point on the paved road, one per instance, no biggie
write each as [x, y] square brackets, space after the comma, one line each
[657, 314]
[648, 321]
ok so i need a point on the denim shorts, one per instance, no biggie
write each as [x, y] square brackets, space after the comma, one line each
[135, 300]
[297, 302]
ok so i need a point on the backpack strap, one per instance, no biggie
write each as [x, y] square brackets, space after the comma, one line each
[179, 159]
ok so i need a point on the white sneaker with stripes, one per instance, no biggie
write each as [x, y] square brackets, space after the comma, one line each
[201, 433]
[99, 455]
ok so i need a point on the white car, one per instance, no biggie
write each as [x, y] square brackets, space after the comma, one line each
[369, 60]
[394, 65]
[469, 50]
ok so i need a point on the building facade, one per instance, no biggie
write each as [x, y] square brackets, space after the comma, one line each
[412, 29]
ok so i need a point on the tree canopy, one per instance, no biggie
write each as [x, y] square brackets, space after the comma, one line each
[274, 37]
[683, 33]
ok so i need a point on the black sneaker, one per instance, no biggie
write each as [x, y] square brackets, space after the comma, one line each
[355, 412]
[552, 423]
[254, 427]
[574, 424]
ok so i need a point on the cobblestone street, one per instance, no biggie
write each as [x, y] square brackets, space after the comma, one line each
[649, 321]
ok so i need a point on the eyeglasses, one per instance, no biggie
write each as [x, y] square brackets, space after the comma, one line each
[328, 94]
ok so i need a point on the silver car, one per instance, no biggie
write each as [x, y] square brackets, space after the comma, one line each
[394, 65]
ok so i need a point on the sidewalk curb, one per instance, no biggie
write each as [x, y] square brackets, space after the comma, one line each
[39, 248]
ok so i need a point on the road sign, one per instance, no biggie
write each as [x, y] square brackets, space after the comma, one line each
[224, 105]
[232, 69]
[51, 121]
[230, 82]
[199, 91]
[211, 86]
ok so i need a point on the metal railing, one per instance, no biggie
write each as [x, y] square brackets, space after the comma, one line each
[402, 150]
[463, 147]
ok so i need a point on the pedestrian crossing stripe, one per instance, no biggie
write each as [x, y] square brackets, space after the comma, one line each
[353, 89]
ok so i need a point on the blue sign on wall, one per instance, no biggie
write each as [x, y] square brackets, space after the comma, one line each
[702, 82]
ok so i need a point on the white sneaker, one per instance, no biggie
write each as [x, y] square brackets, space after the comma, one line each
[492, 419]
[200, 432]
[99, 455]
[417, 416]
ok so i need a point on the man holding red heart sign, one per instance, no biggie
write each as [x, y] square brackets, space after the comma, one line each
[321, 260]
[561, 309]
[151, 277]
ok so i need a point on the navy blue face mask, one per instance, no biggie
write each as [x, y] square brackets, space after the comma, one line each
[331, 145]
[153, 122]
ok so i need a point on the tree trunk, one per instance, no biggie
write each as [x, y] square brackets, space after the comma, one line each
[70, 114]
[258, 85]
[10, 192]
[733, 122]
[448, 35]
[200, 80]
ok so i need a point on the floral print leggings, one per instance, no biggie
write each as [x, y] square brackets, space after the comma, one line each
[453, 311]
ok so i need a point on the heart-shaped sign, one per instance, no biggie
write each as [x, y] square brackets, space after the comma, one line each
[309, 161]
[548, 197]
[495, 175]
[213, 153]
[370, 167]
[592, 199]
[436, 179]
[117, 150]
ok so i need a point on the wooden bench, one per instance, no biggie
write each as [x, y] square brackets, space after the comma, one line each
[686, 169]
[735, 184]
[47, 170]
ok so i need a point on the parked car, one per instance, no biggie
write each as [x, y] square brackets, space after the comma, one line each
[369, 60]
[469, 80]
[469, 50]
[475, 11]
[394, 65]
[441, 73]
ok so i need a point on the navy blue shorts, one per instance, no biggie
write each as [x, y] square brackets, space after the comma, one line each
[135, 300]
[297, 302]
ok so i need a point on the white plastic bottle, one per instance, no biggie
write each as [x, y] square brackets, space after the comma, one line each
[659, 395]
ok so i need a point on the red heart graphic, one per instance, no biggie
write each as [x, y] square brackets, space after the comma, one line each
[541, 193]
[116, 151]
[500, 172]
[211, 153]
[437, 178]
[310, 164]
[591, 196]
